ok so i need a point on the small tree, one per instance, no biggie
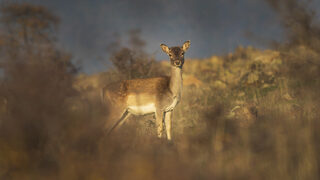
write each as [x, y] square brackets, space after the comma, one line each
[29, 24]
[133, 62]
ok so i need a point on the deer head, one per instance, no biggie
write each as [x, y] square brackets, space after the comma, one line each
[176, 53]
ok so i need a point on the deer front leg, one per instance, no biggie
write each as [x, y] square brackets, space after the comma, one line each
[159, 123]
[172, 105]
[168, 123]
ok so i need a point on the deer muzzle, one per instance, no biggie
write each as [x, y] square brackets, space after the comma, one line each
[177, 63]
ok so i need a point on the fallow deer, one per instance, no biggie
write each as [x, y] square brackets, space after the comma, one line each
[158, 95]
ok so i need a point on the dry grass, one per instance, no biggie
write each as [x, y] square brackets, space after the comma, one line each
[240, 131]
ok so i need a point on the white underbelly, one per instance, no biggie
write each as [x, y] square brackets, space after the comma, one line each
[142, 109]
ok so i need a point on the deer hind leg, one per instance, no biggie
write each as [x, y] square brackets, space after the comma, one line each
[168, 123]
[120, 120]
[159, 123]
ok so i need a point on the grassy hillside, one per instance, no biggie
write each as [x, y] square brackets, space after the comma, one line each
[242, 116]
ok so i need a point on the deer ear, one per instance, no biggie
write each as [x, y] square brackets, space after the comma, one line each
[186, 45]
[164, 48]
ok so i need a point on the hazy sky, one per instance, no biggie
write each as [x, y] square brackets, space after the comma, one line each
[213, 26]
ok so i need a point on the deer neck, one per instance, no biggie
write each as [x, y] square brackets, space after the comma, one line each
[176, 81]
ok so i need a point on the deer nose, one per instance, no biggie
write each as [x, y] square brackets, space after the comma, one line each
[177, 63]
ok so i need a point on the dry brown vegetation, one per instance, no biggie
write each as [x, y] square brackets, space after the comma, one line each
[251, 114]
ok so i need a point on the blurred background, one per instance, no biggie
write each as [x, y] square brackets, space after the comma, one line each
[249, 108]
